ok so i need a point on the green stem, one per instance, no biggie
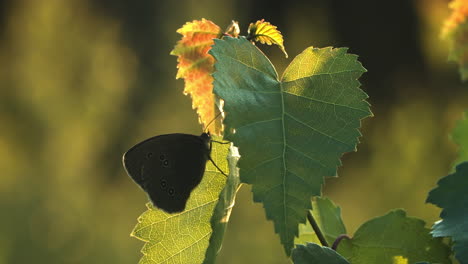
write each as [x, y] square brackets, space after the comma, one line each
[317, 230]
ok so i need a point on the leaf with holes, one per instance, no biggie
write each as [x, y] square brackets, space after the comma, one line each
[291, 132]
[265, 33]
[184, 237]
[451, 195]
[196, 66]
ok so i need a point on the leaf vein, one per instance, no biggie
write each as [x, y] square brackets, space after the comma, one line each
[316, 130]
[325, 102]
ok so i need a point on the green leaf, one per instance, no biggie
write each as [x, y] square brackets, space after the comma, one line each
[290, 133]
[460, 137]
[451, 195]
[328, 217]
[224, 207]
[313, 253]
[184, 237]
[396, 238]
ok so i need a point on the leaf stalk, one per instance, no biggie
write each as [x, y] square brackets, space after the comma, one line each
[317, 230]
[338, 240]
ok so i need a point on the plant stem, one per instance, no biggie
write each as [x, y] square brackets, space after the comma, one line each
[317, 230]
[338, 240]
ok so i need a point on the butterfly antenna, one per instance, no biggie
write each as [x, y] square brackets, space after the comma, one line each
[206, 128]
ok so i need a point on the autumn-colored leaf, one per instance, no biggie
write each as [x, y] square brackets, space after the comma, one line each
[458, 16]
[265, 33]
[456, 31]
[196, 66]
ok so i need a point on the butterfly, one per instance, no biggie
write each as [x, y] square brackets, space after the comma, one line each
[168, 167]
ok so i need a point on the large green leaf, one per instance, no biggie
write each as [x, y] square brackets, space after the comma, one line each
[451, 195]
[184, 237]
[290, 133]
[395, 238]
[224, 207]
[313, 253]
[460, 137]
[328, 218]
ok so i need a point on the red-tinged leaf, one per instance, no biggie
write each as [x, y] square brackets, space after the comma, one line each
[456, 31]
[196, 66]
[266, 33]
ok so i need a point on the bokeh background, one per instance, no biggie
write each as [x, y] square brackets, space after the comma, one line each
[81, 81]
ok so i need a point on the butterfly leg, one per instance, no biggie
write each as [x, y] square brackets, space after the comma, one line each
[212, 161]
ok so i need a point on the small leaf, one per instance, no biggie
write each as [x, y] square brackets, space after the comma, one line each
[395, 238]
[460, 137]
[328, 217]
[224, 207]
[266, 33]
[313, 253]
[455, 30]
[196, 66]
[451, 195]
[290, 133]
[184, 237]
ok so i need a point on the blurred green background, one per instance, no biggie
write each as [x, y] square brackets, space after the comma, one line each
[82, 81]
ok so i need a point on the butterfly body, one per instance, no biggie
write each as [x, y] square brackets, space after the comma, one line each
[168, 167]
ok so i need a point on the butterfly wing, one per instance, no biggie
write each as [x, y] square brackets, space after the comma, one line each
[168, 168]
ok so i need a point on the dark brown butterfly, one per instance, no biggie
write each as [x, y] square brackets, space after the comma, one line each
[168, 167]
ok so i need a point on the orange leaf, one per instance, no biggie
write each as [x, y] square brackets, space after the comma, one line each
[458, 16]
[196, 66]
[456, 31]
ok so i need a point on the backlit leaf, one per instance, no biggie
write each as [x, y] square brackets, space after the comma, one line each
[328, 217]
[224, 207]
[266, 33]
[395, 239]
[313, 253]
[290, 133]
[456, 31]
[196, 66]
[451, 195]
[184, 237]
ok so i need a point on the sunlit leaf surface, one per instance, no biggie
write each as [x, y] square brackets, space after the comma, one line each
[290, 132]
[196, 66]
[456, 30]
[224, 207]
[395, 239]
[265, 33]
[184, 237]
